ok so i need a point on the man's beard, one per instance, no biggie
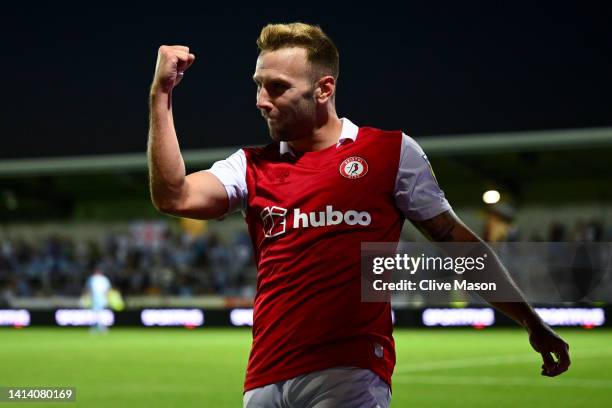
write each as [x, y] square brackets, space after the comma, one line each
[300, 127]
[284, 133]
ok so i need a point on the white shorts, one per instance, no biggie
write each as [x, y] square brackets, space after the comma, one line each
[338, 387]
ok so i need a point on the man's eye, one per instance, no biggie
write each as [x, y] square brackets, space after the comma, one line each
[278, 87]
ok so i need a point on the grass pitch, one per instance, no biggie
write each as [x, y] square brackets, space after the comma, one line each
[205, 367]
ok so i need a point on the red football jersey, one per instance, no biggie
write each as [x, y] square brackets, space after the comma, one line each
[307, 216]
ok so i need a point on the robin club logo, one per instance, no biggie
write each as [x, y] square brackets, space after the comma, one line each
[354, 167]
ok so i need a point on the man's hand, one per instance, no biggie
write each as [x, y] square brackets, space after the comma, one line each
[548, 343]
[172, 62]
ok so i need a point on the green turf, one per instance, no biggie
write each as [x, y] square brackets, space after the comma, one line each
[205, 367]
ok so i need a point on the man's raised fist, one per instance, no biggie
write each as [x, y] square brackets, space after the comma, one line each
[172, 62]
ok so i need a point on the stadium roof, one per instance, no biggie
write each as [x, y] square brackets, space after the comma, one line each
[455, 145]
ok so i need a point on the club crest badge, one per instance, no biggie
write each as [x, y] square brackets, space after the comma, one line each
[354, 167]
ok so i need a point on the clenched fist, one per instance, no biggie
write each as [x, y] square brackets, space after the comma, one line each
[172, 62]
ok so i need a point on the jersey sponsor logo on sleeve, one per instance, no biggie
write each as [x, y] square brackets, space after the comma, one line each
[274, 219]
[424, 157]
[354, 167]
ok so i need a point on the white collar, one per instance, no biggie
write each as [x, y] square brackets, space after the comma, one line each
[349, 131]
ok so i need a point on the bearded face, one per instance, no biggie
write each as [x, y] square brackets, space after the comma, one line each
[286, 93]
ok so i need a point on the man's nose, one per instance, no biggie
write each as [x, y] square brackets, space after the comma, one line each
[263, 100]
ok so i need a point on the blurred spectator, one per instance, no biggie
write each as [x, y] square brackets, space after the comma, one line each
[97, 288]
[499, 225]
[556, 233]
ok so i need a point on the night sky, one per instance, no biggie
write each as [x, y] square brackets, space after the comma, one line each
[75, 81]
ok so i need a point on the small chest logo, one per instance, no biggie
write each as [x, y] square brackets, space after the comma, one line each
[354, 167]
[280, 175]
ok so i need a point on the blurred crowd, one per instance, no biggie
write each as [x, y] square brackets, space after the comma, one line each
[591, 231]
[150, 259]
[153, 259]
[501, 226]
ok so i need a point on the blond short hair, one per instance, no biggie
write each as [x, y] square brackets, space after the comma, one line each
[320, 50]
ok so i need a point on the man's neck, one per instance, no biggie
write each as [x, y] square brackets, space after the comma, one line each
[322, 137]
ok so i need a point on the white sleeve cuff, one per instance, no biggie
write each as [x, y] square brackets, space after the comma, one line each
[232, 174]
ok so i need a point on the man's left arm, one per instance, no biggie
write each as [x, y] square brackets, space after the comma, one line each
[447, 227]
[419, 197]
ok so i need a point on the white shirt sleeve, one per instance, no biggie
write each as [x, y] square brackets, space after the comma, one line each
[417, 193]
[232, 174]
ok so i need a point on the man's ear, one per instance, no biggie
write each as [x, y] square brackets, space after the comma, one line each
[326, 87]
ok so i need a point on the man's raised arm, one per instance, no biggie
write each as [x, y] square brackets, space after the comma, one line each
[447, 227]
[198, 195]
